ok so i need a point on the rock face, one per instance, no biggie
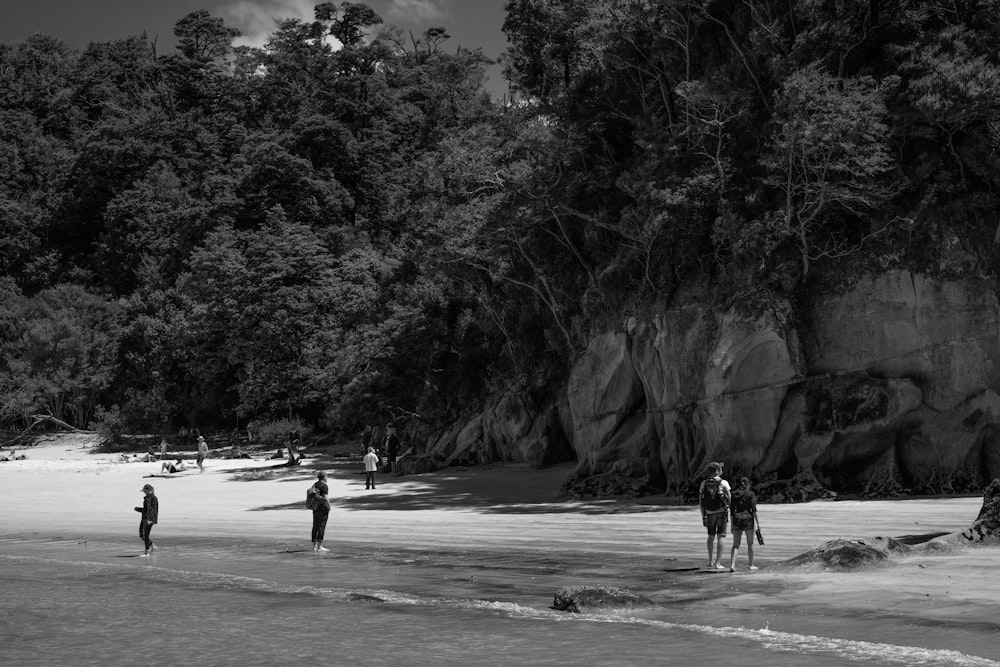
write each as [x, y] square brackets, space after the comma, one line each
[890, 387]
[986, 528]
[586, 599]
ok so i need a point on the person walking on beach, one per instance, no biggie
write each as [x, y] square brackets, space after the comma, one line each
[713, 497]
[202, 453]
[371, 466]
[321, 511]
[743, 511]
[150, 512]
[163, 449]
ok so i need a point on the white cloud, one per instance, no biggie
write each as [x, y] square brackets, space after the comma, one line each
[257, 19]
[418, 12]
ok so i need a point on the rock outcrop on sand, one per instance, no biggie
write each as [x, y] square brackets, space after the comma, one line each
[589, 599]
[887, 388]
[845, 555]
[986, 528]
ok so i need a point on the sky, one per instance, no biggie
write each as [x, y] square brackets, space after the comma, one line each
[471, 23]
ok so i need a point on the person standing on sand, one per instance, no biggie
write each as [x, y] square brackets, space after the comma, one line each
[202, 453]
[321, 511]
[371, 466]
[713, 497]
[163, 449]
[391, 446]
[743, 511]
[150, 511]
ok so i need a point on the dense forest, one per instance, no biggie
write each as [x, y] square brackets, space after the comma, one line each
[344, 224]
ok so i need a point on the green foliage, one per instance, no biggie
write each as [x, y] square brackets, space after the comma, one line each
[343, 225]
[275, 433]
[58, 350]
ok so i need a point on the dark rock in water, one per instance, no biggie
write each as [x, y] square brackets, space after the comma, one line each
[360, 597]
[987, 525]
[847, 555]
[578, 599]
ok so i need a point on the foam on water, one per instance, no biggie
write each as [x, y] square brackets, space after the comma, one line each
[783, 642]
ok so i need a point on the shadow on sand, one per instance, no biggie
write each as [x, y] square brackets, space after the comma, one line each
[510, 489]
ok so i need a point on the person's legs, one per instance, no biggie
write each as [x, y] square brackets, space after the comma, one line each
[720, 534]
[750, 548]
[144, 530]
[320, 520]
[716, 524]
[734, 552]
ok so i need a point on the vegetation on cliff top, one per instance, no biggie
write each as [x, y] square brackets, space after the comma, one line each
[343, 224]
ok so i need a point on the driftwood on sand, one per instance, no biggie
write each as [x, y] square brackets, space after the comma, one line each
[23, 438]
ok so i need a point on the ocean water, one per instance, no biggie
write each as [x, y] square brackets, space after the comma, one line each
[73, 603]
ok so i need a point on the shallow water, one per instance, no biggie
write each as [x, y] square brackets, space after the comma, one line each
[95, 603]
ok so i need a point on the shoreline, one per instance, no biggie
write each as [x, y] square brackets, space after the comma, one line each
[500, 534]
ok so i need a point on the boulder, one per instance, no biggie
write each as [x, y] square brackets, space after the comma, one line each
[986, 528]
[588, 599]
[845, 555]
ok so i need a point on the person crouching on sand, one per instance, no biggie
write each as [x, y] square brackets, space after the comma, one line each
[150, 511]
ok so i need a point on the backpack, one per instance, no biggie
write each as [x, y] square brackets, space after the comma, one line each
[311, 498]
[742, 508]
[712, 497]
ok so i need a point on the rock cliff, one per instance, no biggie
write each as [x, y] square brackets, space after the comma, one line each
[888, 387]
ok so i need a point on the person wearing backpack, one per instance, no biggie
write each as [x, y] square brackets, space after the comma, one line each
[713, 498]
[320, 509]
[743, 510]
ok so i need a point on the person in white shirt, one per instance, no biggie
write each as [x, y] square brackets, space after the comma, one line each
[371, 466]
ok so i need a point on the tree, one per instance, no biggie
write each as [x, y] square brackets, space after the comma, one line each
[59, 348]
[827, 155]
[203, 37]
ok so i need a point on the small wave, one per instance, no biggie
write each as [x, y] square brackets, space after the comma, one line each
[848, 649]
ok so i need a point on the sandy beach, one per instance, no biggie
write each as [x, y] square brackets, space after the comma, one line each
[500, 533]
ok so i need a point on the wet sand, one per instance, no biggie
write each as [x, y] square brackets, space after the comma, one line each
[500, 533]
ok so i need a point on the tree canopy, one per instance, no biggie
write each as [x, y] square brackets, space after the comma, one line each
[344, 223]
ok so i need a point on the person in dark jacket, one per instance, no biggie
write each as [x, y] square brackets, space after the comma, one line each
[391, 446]
[321, 511]
[150, 511]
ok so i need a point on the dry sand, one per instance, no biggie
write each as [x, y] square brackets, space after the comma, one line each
[502, 528]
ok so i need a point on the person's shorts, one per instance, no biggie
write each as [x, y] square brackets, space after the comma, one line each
[743, 526]
[716, 523]
[201, 459]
